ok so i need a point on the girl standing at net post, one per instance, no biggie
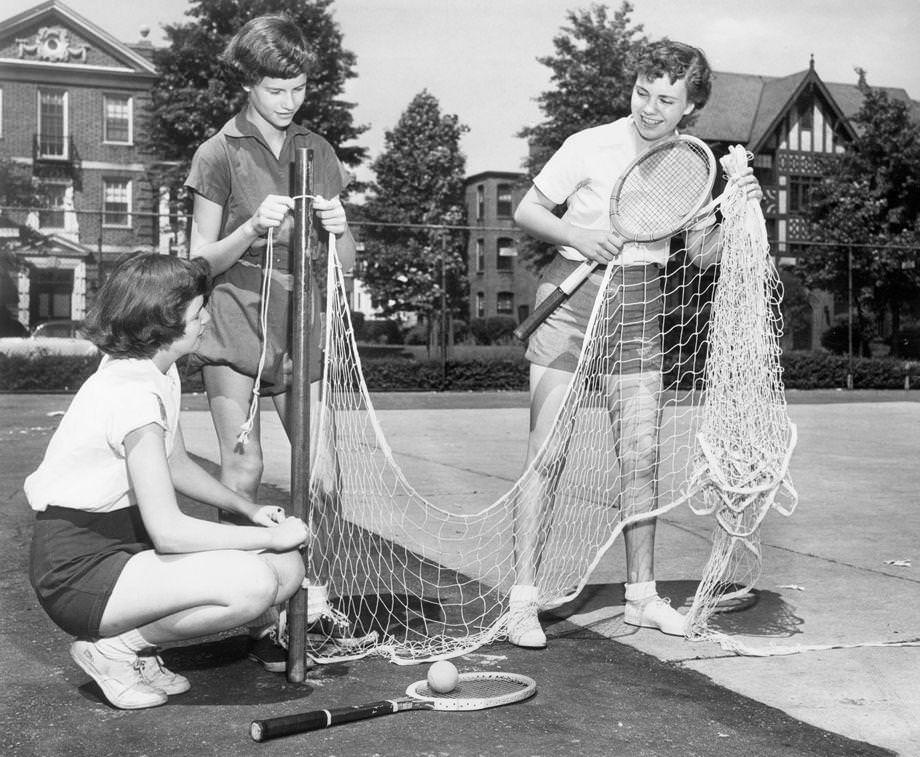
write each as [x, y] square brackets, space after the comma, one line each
[672, 83]
[114, 560]
[240, 180]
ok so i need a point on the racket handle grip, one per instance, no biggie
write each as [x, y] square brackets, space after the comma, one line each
[540, 314]
[555, 298]
[303, 722]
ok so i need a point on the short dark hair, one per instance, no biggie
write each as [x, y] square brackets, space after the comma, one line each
[141, 306]
[270, 45]
[678, 61]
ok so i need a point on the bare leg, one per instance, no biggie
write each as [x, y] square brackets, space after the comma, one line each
[547, 390]
[241, 466]
[319, 522]
[171, 598]
[229, 396]
[159, 599]
[635, 413]
[533, 507]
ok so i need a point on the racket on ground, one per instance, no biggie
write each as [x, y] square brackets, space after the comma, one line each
[474, 691]
[662, 192]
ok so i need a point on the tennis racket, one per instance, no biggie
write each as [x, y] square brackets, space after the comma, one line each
[474, 691]
[662, 191]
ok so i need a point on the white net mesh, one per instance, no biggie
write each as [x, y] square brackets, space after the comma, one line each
[745, 440]
[695, 413]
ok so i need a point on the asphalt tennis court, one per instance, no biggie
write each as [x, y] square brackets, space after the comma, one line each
[603, 689]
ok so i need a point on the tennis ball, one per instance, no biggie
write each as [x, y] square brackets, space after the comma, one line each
[442, 677]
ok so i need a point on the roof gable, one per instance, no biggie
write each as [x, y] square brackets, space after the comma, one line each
[777, 97]
[849, 97]
[52, 34]
[745, 108]
[728, 115]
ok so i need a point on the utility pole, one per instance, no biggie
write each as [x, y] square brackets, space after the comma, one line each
[443, 308]
[849, 317]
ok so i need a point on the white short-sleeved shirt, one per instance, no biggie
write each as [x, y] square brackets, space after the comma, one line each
[84, 467]
[581, 175]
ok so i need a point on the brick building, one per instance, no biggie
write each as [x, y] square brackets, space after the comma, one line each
[499, 280]
[72, 109]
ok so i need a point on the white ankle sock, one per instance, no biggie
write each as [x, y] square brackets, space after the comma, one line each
[639, 591]
[523, 594]
[317, 599]
[126, 644]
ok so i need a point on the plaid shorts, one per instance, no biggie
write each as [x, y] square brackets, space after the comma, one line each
[630, 315]
[234, 335]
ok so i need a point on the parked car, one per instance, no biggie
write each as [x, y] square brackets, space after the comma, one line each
[58, 328]
[54, 337]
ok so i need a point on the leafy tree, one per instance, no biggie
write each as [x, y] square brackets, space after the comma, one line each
[419, 183]
[866, 212]
[17, 189]
[592, 79]
[194, 95]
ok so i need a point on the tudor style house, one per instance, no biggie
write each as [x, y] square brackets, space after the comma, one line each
[72, 104]
[791, 125]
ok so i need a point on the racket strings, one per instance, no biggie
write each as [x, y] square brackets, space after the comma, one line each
[489, 688]
[663, 189]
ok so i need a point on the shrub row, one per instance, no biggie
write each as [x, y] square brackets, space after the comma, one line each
[801, 370]
[455, 375]
[48, 373]
[822, 370]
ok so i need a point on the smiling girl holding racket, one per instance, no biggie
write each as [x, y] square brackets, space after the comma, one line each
[672, 83]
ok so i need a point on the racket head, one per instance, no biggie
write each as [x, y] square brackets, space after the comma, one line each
[663, 189]
[476, 691]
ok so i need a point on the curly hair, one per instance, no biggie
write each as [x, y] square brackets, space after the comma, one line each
[678, 61]
[270, 45]
[141, 307]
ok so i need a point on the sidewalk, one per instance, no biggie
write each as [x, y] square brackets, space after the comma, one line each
[825, 578]
[604, 688]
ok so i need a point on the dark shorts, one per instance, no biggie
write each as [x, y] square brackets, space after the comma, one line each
[631, 308]
[76, 559]
[234, 335]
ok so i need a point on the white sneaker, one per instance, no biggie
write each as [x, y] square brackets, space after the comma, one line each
[328, 624]
[120, 678]
[328, 631]
[523, 627]
[332, 632]
[157, 675]
[655, 612]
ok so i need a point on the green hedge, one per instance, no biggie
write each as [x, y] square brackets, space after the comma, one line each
[50, 373]
[63, 373]
[430, 375]
[801, 370]
[822, 370]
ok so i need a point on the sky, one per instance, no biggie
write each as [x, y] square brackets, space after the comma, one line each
[479, 57]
